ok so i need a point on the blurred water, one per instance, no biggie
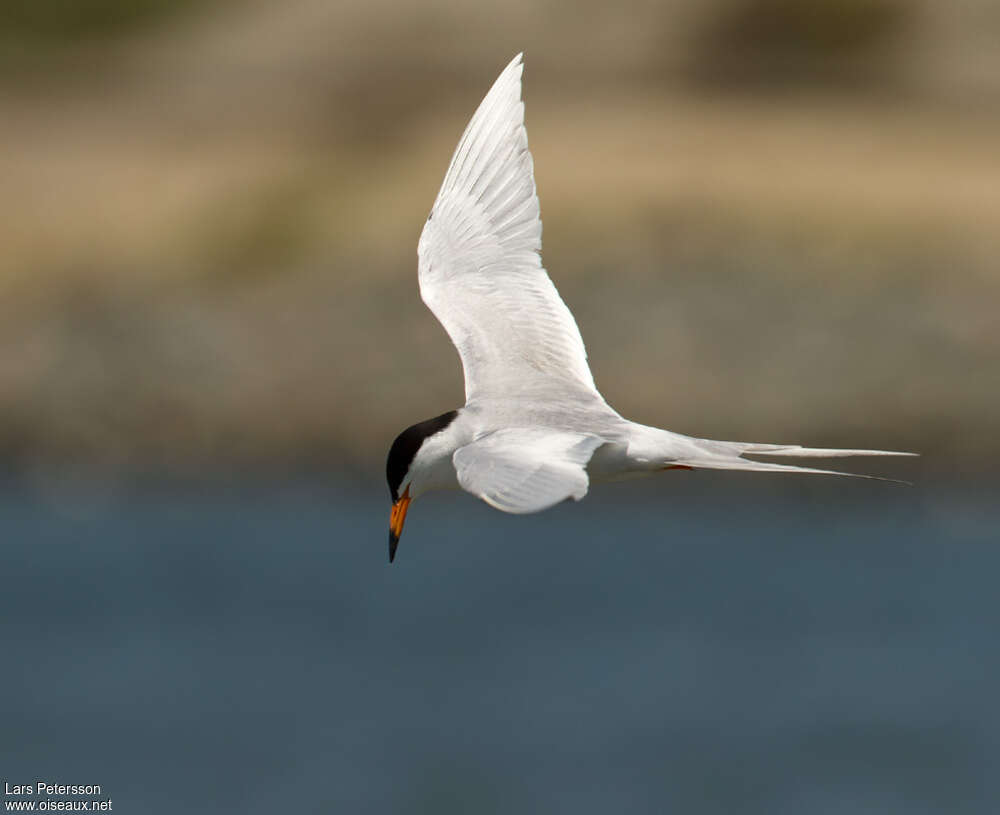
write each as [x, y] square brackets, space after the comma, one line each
[705, 646]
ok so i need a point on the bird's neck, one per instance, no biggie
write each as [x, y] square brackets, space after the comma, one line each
[433, 468]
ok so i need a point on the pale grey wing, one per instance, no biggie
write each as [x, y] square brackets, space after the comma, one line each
[526, 469]
[480, 269]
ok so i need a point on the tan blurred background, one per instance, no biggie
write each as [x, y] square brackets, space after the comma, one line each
[774, 221]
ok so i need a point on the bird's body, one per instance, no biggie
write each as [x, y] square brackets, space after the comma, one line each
[534, 430]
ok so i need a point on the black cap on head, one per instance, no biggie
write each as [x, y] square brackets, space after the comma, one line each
[405, 448]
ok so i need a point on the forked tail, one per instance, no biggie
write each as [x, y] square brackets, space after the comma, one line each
[729, 455]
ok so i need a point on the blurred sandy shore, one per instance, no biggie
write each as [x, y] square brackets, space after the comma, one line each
[210, 252]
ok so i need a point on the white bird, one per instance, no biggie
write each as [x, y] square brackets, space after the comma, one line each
[534, 430]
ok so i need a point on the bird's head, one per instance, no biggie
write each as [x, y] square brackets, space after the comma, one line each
[419, 460]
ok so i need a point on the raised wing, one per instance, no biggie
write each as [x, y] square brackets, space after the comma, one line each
[480, 269]
[526, 469]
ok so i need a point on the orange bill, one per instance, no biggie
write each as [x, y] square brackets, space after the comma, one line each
[396, 520]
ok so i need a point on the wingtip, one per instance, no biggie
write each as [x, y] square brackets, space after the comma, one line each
[515, 66]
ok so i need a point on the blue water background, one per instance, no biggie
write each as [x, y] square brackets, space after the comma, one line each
[707, 644]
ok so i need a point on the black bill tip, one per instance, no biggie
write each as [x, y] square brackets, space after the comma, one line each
[393, 543]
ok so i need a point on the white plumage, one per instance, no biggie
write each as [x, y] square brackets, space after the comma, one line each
[526, 469]
[534, 430]
[480, 269]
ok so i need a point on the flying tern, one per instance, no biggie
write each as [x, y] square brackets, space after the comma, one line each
[534, 430]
